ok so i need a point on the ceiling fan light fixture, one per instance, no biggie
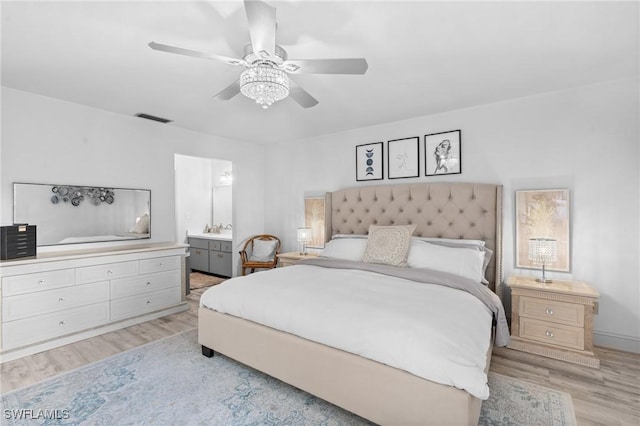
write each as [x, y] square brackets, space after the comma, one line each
[265, 84]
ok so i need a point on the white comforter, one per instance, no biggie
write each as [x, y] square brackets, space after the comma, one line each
[435, 332]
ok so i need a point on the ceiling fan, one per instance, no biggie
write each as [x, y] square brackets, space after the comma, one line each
[265, 77]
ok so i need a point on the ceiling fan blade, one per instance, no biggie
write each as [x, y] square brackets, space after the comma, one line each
[326, 66]
[300, 95]
[229, 92]
[195, 53]
[262, 27]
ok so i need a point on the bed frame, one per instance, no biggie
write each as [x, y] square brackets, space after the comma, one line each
[377, 392]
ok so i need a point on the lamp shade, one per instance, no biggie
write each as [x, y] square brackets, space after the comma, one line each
[304, 235]
[543, 250]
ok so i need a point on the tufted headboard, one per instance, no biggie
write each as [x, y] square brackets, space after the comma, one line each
[442, 210]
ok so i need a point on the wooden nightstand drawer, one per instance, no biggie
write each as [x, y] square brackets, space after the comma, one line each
[289, 259]
[552, 334]
[548, 310]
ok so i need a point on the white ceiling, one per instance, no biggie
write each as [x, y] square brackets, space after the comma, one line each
[424, 57]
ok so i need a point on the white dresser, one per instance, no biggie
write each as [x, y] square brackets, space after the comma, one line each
[59, 298]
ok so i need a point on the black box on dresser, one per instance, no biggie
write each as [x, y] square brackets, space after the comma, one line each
[18, 240]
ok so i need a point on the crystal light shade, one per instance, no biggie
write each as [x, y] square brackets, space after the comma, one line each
[265, 84]
[543, 251]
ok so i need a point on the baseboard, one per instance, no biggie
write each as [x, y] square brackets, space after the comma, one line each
[616, 341]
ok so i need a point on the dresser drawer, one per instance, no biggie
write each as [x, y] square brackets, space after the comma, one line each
[215, 245]
[44, 327]
[28, 283]
[552, 333]
[159, 264]
[226, 246]
[124, 287]
[44, 302]
[107, 271]
[548, 310]
[144, 303]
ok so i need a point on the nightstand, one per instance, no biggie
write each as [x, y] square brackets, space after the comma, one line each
[554, 319]
[288, 259]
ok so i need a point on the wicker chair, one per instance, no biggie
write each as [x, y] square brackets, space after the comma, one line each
[250, 262]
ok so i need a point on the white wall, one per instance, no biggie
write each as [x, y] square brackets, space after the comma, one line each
[193, 194]
[48, 140]
[585, 139]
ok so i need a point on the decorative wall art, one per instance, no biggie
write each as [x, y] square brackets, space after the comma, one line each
[543, 214]
[369, 164]
[403, 158]
[76, 194]
[442, 153]
[314, 218]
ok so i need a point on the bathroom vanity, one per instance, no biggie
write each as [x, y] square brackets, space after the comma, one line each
[211, 253]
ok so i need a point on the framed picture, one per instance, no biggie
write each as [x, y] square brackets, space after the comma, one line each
[543, 213]
[369, 164]
[442, 153]
[314, 218]
[403, 158]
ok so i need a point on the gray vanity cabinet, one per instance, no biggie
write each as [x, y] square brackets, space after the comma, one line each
[199, 254]
[220, 257]
[213, 256]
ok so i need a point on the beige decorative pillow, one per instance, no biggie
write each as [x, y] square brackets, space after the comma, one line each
[388, 245]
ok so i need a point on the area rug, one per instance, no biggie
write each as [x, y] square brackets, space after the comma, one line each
[200, 280]
[169, 382]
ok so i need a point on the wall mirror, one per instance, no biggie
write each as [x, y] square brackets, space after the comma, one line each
[73, 214]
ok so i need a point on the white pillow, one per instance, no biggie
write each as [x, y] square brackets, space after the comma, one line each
[453, 242]
[462, 243]
[345, 248]
[388, 245]
[263, 250]
[464, 262]
[142, 225]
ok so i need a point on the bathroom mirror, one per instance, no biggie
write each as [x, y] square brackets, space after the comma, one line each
[73, 214]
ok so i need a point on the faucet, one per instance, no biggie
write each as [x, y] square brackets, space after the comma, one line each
[228, 226]
[216, 228]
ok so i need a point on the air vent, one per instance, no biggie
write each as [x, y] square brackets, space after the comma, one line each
[153, 117]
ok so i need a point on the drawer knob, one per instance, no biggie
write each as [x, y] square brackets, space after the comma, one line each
[148, 283]
[109, 272]
[548, 333]
[40, 282]
[161, 264]
[148, 302]
[61, 299]
[61, 323]
[549, 311]
[220, 256]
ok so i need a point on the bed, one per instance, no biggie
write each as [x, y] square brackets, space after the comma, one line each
[379, 389]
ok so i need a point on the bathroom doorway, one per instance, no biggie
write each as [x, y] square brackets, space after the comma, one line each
[203, 205]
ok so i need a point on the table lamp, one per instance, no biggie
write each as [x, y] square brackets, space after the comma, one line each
[543, 251]
[304, 236]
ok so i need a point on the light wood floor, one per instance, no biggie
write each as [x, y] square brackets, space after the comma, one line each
[606, 396]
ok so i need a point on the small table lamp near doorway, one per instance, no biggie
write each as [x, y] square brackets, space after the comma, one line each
[304, 237]
[543, 251]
